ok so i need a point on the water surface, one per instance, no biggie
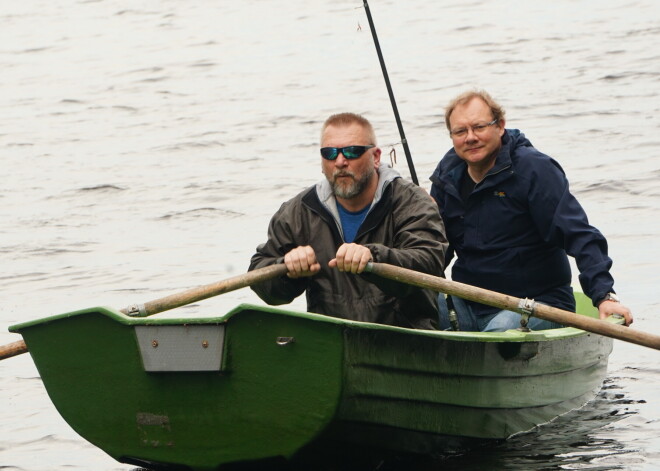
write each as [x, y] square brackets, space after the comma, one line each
[145, 145]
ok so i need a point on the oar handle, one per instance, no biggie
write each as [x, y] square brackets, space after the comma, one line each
[176, 300]
[511, 303]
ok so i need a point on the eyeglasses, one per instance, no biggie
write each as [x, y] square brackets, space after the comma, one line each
[350, 152]
[477, 129]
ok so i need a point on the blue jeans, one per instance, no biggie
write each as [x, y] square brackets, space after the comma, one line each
[496, 322]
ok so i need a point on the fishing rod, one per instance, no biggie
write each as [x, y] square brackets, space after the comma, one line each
[404, 142]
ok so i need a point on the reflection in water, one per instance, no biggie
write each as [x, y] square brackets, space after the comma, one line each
[572, 441]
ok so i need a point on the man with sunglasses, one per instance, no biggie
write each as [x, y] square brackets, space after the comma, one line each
[511, 222]
[363, 210]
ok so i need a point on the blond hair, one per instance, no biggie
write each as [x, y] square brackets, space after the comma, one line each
[465, 97]
[346, 119]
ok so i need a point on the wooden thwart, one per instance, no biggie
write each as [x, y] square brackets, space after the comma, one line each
[511, 303]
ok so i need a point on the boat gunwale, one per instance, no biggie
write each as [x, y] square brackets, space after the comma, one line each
[513, 335]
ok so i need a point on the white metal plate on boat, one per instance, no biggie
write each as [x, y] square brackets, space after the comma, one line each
[181, 347]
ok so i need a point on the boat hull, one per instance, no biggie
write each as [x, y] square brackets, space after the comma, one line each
[267, 384]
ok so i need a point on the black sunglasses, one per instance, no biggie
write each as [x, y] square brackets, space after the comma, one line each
[350, 152]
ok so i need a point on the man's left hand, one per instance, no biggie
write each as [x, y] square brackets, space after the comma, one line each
[351, 258]
[608, 308]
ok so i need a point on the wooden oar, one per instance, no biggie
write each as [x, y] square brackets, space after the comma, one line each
[178, 299]
[206, 291]
[511, 303]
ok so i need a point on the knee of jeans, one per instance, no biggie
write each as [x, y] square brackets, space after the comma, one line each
[504, 320]
[540, 324]
[443, 313]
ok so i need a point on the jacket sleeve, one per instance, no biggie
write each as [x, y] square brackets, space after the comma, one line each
[281, 290]
[563, 222]
[436, 195]
[419, 236]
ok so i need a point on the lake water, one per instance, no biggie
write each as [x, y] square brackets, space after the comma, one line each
[145, 145]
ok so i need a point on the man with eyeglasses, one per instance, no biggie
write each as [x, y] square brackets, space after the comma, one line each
[362, 210]
[511, 221]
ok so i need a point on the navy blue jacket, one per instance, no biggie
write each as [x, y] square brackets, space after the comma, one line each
[514, 232]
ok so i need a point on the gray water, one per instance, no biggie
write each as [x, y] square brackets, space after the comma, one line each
[144, 146]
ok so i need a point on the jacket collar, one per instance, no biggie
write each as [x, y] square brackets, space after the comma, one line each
[386, 175]
[452, 167]
[321, 199]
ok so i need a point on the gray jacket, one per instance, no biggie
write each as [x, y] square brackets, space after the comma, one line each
[402, 228]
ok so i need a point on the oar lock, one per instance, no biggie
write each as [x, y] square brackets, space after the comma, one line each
[526, 307]
[135, 310]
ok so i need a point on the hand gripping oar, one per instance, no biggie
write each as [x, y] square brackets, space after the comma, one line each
[178, 299]
[511, 303]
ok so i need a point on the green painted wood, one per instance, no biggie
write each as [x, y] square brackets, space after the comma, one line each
[337, 382]
[433, 386]
[269, 401]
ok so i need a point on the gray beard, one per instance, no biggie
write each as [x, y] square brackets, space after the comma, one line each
[354, 188]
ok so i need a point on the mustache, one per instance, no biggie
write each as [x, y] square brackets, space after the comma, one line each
[342, 173]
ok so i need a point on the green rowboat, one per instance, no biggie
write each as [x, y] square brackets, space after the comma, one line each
[260, 383]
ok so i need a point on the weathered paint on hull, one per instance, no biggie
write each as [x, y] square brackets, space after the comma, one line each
[292, 381]
[484, 390]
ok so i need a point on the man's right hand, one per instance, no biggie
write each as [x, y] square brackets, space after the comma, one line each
[301, 261]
